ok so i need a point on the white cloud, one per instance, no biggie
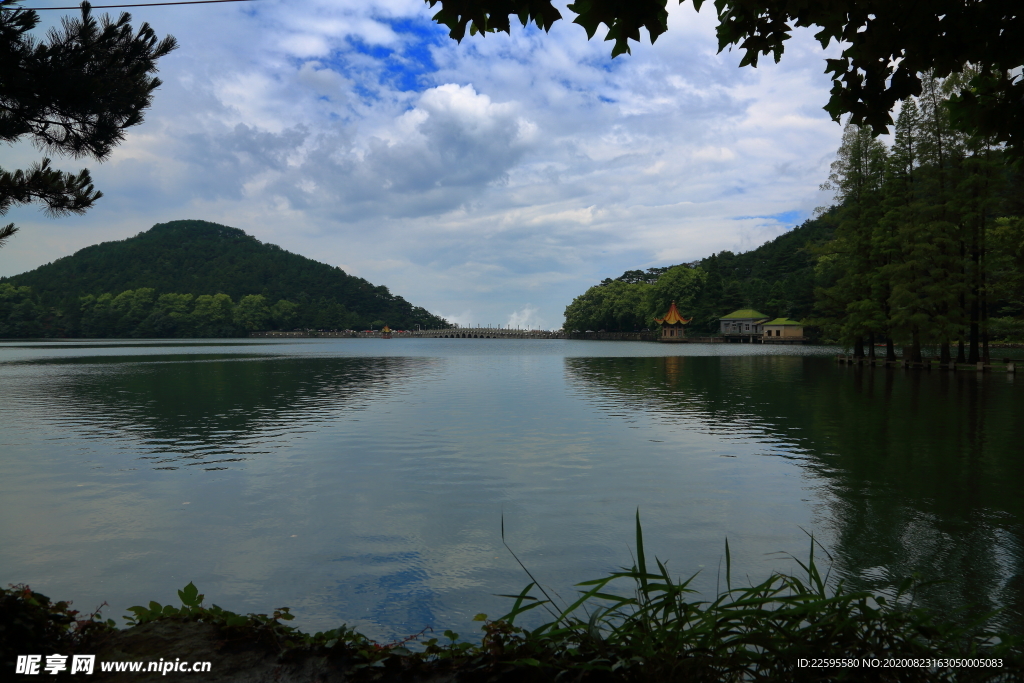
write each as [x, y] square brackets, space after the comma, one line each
[504, 169]
[463, 319]
[526, 317]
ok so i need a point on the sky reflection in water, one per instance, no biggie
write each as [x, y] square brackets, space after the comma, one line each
[364, 480]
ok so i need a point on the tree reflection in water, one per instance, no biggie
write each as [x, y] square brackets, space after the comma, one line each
[922, 471]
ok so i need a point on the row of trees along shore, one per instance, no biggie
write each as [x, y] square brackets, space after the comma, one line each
[924, 247]
[143, 313]
[929, 237]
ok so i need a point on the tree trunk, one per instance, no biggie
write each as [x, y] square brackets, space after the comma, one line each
[972, 356]
[944, 354]
[858, 348]
[981, 260]
[890, 351]
[960, 357]
[915, 354]
[871, 346]
[983, 293]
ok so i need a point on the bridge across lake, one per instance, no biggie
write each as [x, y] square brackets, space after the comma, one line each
[486, 333]
[496, 333]
[450, 333]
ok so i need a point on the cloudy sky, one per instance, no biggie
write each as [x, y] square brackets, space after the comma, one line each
[490, 182]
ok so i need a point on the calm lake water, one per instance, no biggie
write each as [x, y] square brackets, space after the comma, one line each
[364, 481]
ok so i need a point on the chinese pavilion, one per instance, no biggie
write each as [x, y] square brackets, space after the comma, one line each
[672, 329]
[385, 333]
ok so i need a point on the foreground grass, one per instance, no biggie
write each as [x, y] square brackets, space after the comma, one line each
[659, 632]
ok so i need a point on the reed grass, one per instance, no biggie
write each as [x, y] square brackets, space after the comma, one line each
[661, 631]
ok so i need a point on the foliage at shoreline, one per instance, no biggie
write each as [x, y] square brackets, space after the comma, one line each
[658, 633]
[193, 278]
[141, 313]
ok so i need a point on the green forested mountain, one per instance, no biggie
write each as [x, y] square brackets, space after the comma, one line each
[192, 277]
[777, 278]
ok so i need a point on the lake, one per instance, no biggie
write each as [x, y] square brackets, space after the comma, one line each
[365, 481]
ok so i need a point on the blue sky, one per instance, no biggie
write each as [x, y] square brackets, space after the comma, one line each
[490, 182]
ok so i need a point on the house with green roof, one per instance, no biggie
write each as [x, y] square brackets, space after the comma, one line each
[744, 323]
[783, 330]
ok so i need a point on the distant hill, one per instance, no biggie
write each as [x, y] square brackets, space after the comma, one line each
[777, 259]
[776, 278]
[192, 257]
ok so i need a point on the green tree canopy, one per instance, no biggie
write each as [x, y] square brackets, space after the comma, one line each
[681, 284]
[633, 301]
[283, 314]
[887, 45]
[252, 313]
[213, 315]
[73, 93]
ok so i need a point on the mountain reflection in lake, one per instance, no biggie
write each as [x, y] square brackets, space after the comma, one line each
[364, 480]
[207, 410]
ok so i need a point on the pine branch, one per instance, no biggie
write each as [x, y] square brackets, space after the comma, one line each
[6, 232]
[63, 193]
[78, 90]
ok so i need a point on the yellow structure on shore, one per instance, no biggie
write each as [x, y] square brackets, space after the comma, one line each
[783, 329]
[672, 325]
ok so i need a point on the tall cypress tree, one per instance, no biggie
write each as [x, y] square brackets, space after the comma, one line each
[939, 247]
[925, 279]
[856, 178]
[901, 215]
[975, 199]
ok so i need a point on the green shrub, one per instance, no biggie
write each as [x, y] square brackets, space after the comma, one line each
[1006, 329]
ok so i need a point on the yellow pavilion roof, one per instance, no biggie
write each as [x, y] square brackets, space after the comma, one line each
[386, 329]
[673, 317]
